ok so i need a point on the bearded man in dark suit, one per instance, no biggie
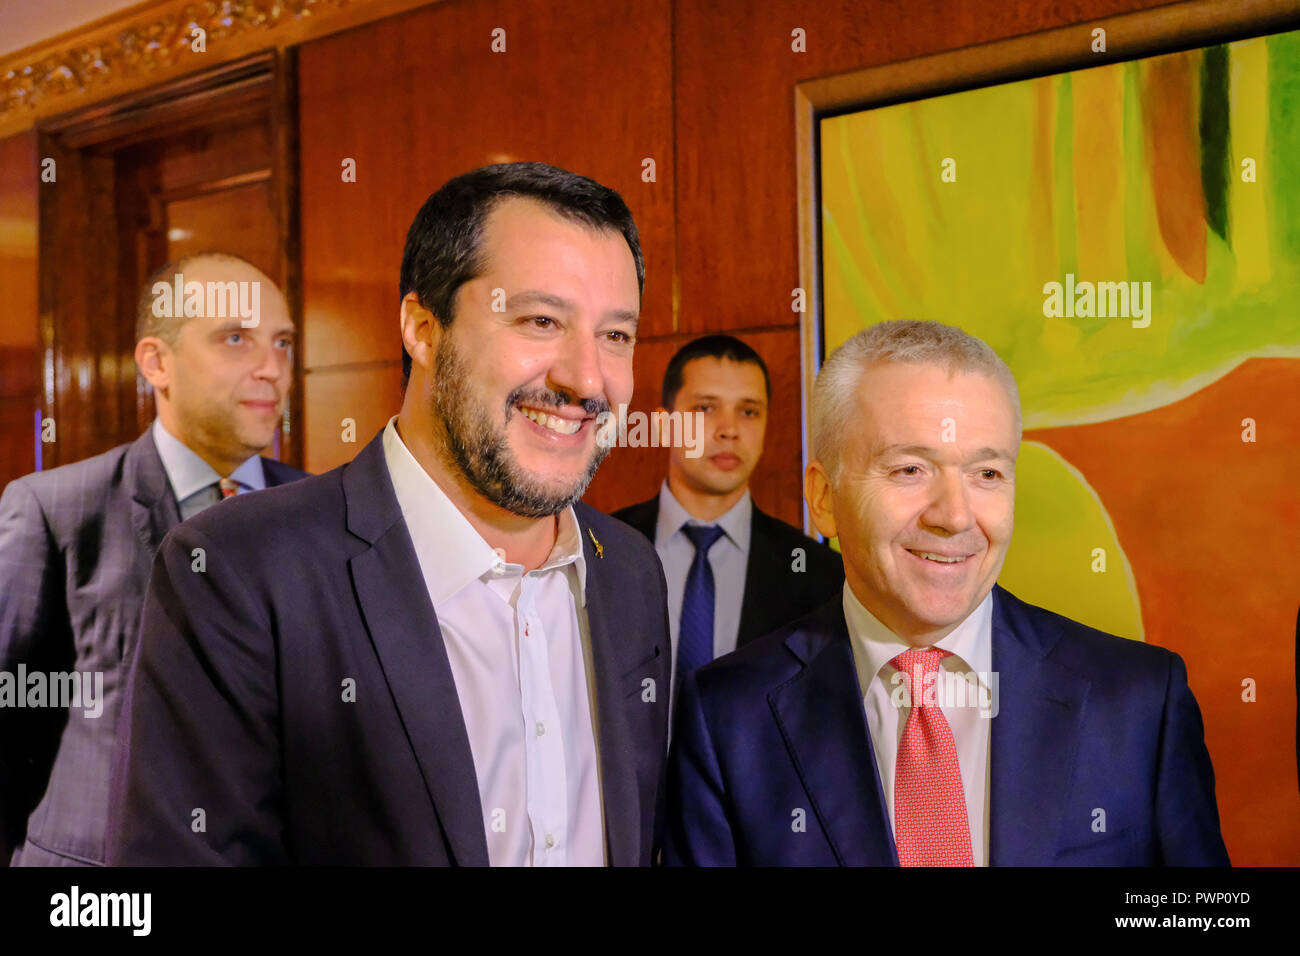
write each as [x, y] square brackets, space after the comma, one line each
[434, 654]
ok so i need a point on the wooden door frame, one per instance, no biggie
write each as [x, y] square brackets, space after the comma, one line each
[89, 382]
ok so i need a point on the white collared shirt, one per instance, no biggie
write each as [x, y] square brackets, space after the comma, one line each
[728, 559]
[192, 479]
[971, 647]
[517, 644]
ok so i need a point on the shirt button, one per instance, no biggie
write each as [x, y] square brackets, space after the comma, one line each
[550, 841]
[541, 728]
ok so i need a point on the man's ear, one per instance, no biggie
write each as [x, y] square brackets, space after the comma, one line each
[420, 330]
[818, 493]
[154, 359]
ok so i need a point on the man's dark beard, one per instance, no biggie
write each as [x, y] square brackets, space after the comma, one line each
[479, 450]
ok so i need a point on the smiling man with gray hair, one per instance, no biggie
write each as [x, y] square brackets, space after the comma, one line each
[928, 717]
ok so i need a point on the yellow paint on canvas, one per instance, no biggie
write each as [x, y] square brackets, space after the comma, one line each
[1248, 216]
[1060, 521]
[1099, 173]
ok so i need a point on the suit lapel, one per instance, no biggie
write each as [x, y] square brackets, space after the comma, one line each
[644, 517]
[278, 473]
[611, 660]
[1032, 741]
[761, 583]
[821, 716]
[404, 631]
[153, 506]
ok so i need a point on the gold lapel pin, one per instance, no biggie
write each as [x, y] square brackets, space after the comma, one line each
[600, 552]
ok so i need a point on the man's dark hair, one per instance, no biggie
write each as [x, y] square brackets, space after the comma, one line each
[710, 346]
[444, 244]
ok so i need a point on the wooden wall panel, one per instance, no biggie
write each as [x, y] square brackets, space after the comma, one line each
[369, 395]
[419, 98]
[241, 214]
[19, 351]
[19, 182]
[80, 339]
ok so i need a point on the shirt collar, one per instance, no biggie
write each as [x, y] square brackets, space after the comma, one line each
[451, 553]
[188, 473]
[875, 645]
[250, 474]
[736, 523]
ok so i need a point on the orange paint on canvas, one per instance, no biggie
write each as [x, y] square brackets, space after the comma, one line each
[1173, 149]
[1219, 585]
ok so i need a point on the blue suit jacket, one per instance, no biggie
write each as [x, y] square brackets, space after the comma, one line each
[772, 763]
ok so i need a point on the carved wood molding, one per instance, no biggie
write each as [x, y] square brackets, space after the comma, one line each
[148, 43]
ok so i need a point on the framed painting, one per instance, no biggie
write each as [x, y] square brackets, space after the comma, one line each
[1114, 208]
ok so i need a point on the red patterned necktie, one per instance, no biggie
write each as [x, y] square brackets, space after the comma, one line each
[229, 487]
[930, 823]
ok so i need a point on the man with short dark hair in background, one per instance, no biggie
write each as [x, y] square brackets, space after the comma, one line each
[434, 654]
[77, 542]
[759, 572]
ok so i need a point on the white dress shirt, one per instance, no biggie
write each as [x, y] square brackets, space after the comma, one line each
[971, 647]
[517, 644]
[728, 559]
[193, 480]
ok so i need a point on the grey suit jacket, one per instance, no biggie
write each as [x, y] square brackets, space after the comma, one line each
[76, 547]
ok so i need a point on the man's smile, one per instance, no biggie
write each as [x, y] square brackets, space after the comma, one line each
[940, 556]
[939, 564]
[559, 427]
[562, 424]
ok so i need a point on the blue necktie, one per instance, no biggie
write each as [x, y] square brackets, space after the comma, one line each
[695, 636]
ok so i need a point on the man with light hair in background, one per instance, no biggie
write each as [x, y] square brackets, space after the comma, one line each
[77, 542]
[837, 740]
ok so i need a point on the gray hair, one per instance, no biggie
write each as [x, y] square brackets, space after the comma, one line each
[904, 340]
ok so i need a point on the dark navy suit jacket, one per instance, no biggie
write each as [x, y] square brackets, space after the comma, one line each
[237, 708]
[772, 763]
